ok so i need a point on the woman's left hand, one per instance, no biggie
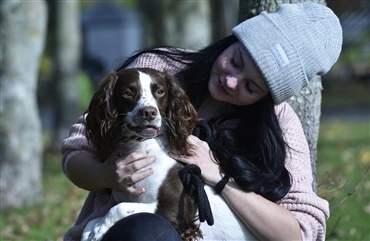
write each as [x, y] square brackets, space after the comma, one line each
[203, 158]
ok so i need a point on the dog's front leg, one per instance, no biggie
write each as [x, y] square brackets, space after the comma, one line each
[115, 214]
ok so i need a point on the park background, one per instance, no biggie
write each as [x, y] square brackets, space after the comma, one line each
[343, 155]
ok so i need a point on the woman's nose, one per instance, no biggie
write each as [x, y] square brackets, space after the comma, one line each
[231, 82]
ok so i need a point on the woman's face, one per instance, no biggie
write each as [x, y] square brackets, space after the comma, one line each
[235, 78]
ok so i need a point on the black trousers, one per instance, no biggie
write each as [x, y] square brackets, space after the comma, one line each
[142, 227]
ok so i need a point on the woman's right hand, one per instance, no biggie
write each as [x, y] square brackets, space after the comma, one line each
[121, 172]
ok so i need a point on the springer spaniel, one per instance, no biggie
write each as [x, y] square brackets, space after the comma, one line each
[146, 110]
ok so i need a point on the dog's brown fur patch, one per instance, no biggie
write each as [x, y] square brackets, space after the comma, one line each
[177, 206]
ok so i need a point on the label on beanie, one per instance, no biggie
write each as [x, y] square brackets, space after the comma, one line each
[279, 55]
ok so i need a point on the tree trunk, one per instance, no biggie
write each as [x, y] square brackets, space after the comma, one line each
[218, 20]
[184, 24]
[66, 52]
[307, 104]
[23, 26]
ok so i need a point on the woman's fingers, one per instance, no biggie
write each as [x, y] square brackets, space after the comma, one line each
[130, 179]
[135, 163]
[136, 177]
[195, 140]
[178, 157]
[135, 190]
[130, 169]
[201, 151]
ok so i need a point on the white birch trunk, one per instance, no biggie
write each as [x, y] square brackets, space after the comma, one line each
[23, 27]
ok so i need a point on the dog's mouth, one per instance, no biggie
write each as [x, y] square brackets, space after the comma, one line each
[147, 131]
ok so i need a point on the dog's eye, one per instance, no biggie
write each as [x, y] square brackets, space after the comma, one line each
[127, 94]
[160, 92]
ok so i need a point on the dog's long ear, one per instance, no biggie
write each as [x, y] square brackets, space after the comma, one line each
[102, 116]
[182, 118]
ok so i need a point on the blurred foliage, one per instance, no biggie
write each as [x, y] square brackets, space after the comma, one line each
[87, 89]
[358, 52]
[124, 3]
[345, 95]
[343, 177]
[353, 63]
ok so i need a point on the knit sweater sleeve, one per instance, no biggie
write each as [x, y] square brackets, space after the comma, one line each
[76, 142]
[310, 210]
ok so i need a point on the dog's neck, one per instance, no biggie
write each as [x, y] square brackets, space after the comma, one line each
[138, 138]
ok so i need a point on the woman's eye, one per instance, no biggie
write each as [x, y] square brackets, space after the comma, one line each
[233, 63]
[248, 87]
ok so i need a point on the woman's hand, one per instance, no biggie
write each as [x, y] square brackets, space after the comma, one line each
[120, 173]
[203, 158]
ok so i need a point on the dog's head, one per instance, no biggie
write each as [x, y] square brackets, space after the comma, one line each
[140, 103]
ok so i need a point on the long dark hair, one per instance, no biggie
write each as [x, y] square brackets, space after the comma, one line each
[252, 153]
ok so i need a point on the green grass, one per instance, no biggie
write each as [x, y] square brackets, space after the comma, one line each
[343, 178]
[49, 221]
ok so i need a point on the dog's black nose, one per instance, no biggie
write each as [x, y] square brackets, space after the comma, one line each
[149, 113]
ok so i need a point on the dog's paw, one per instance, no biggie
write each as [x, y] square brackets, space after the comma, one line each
[116, 213]
[98, 232]
[86, 233]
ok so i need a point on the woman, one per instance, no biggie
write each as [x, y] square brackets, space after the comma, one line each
[238, 85]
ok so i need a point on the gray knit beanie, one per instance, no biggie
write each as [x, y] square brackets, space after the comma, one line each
[292, 45]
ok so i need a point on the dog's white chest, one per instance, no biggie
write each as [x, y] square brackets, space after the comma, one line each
[227, 225]
[156, 147]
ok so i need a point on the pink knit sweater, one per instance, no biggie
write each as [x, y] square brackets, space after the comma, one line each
[310, 210]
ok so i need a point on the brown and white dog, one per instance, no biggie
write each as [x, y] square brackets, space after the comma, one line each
[146, 110]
